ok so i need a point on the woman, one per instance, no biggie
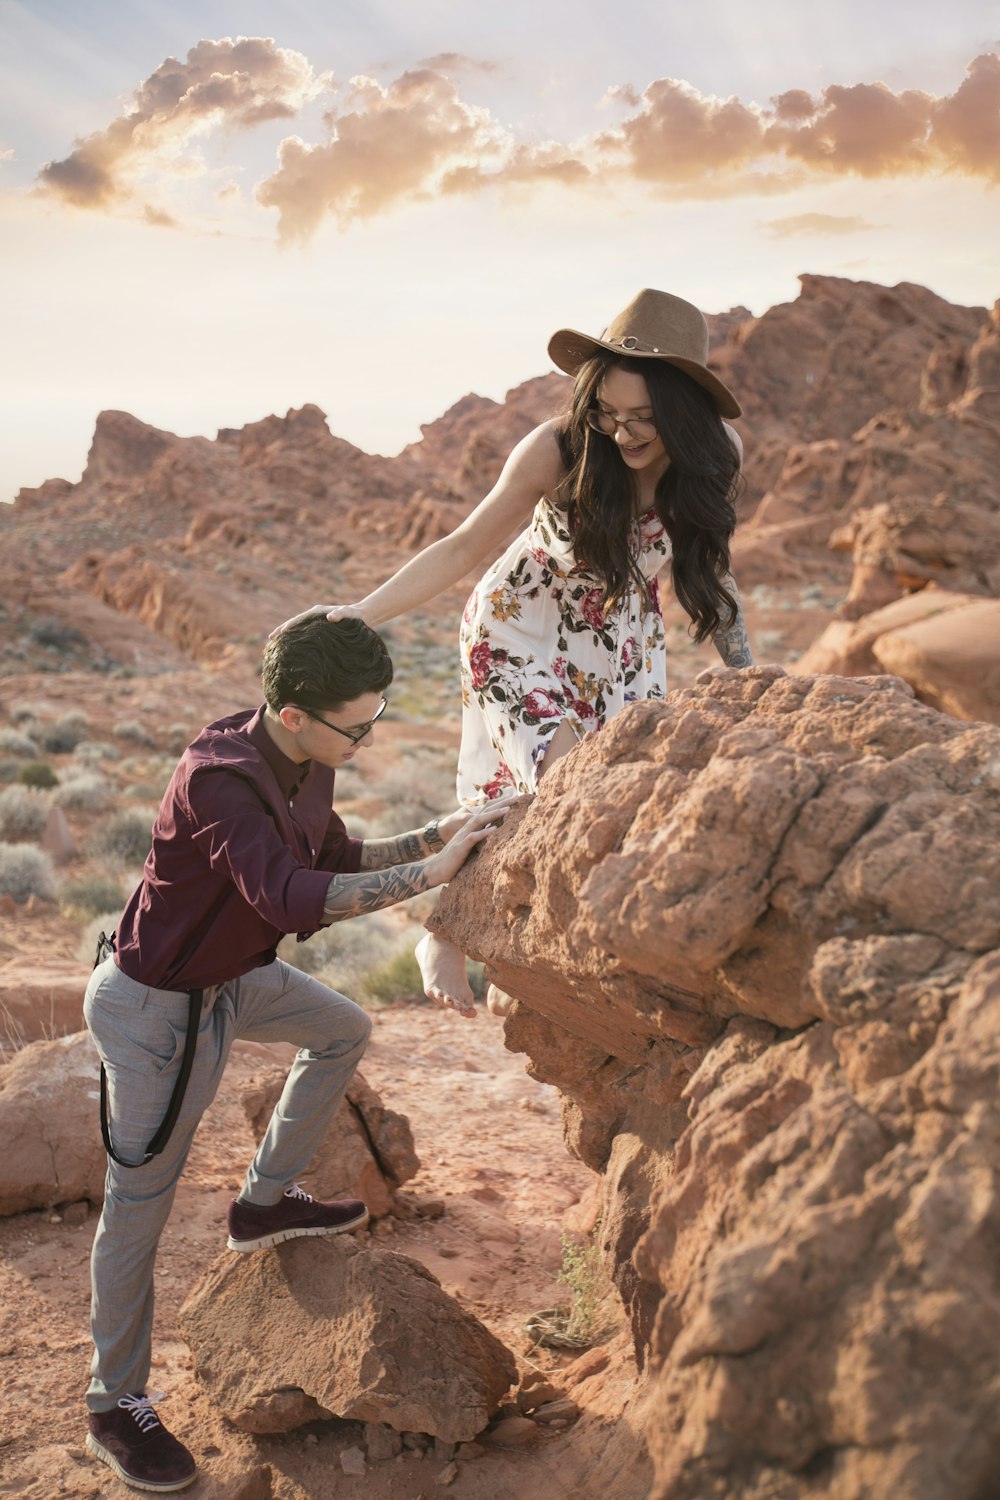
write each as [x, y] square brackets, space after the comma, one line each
[565, 628]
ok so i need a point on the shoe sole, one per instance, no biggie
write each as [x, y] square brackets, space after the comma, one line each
[106, 1457]
[267, 1240]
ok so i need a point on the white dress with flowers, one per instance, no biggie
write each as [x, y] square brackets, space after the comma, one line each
[537, 649]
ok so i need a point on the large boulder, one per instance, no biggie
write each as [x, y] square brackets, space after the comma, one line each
[951, 660]
[367, 1153]
[41, 1000]
[329, 1327]
[49, 1125]
[754, 939]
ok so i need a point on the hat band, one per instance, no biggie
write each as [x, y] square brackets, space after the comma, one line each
[631, 343]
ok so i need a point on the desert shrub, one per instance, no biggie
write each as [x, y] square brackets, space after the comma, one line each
[125, 837]
[106, 922]
[583, 1273]
[422, 786]
[9, 770]
[133, 733]
[16, 742]
[37, 773]
[395, 978]
[23, 812]
[84, 792]
[65, 734]
[92, 894]
[25, 714]
[25, 871]
[176, 738]
[90, 752]
[56, 635]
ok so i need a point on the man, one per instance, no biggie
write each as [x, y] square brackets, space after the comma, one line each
[246, 848]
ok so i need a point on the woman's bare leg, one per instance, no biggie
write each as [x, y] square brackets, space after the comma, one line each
[561, 743]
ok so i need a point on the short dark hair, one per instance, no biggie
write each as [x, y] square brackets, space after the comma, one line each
[322, 664]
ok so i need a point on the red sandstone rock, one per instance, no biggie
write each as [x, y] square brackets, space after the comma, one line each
[950, 660]
[53, 1151]
[368, 1151]
[41, 1000]
[322, 1327]
[800, 1201]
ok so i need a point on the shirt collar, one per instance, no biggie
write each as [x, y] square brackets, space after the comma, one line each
[287, 773]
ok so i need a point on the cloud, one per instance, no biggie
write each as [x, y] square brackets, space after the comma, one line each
[799, 224]
[238, 84]
[389, 145]
[421, 137]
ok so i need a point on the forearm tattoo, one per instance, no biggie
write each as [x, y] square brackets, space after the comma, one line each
[732, 641]
[352, 895]
[378, 854]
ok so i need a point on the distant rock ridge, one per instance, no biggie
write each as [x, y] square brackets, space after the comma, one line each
[872, 422]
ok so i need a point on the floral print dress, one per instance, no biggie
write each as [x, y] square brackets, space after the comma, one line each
[537, 648]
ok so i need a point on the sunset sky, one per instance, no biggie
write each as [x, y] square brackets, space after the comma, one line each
[379, 205]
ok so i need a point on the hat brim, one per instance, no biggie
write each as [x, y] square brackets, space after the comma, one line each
[569, 349]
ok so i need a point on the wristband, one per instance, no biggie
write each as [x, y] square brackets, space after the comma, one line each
[431, 836]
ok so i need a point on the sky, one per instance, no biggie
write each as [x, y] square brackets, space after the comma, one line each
[214, 211]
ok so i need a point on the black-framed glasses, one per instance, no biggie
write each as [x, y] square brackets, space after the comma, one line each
[357, 735]
[640, 428]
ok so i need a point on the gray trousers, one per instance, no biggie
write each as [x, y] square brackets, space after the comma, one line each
[139, 1033]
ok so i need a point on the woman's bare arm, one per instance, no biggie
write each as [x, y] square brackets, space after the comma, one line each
[533, 469]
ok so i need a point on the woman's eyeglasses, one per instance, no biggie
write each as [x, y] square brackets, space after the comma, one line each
[355, 735]
[640, 428]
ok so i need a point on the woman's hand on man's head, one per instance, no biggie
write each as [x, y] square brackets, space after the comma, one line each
[331, 611]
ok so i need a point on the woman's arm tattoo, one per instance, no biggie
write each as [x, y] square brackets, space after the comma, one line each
[378, 854]
[353, 895]
[732, 641]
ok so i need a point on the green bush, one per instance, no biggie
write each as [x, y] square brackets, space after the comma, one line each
[125, 837]
[92, 894]
[25, 871]
[9, 771]
[37, 773]
[23, 812]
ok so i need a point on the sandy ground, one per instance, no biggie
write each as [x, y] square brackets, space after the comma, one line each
[490, 1142]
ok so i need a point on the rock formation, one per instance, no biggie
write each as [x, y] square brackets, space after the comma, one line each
[53, 1151]
[753, 933]
[324, 1327]
[367, 1153]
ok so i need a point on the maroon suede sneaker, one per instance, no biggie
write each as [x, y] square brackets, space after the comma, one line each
[295, 1214]
[133, 1441]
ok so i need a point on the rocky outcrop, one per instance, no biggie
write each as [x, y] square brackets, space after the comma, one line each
[53, 1151]
[753, 935]
[328, 1327]
[944, 644]
[39, 1001]
[367, 1152]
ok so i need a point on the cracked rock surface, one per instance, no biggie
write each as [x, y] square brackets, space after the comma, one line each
[753, 933]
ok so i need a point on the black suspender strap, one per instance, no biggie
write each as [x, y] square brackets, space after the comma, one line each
[105, 947]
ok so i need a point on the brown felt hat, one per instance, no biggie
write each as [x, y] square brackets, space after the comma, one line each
[655, 325]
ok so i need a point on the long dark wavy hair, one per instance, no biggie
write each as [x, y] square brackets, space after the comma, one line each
[695, 498]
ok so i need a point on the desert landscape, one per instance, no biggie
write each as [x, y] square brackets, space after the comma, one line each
[714, 1211]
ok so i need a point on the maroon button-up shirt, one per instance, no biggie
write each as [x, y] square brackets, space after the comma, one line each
[243, 848]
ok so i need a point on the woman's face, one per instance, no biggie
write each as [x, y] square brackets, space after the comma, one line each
[623, 394]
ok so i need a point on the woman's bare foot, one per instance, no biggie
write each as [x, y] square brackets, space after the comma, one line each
[498, 1001]
[442, 969]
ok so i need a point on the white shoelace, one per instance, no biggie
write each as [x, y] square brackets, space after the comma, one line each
[141, 1408]
[296, 1192]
